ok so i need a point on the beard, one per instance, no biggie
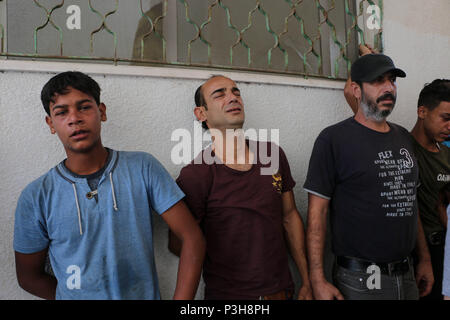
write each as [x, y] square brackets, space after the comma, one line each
[372, 111]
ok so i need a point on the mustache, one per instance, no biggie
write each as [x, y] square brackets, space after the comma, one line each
[387, 96]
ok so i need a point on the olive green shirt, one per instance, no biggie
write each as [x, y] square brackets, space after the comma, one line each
[434, 176]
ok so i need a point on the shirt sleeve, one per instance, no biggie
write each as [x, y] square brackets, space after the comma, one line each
[320, 179]
[163, 191]
[196, 187]
[30, 232]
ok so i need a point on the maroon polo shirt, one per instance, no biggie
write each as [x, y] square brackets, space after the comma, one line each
[240, 213]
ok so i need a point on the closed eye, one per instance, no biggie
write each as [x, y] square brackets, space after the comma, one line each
[219, 95]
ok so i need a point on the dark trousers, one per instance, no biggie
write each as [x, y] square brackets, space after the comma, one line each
[353, 285]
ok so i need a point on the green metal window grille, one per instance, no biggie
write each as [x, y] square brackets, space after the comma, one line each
[310, 38]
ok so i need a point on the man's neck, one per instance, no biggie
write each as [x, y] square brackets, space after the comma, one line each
[232, 149]
[418, 132]
[380, 126]
[86, 163]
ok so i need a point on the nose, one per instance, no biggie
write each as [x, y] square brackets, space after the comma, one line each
[74, 117]
[390, 86]
[233, 97]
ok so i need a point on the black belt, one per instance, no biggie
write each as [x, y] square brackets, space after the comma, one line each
[359, 265]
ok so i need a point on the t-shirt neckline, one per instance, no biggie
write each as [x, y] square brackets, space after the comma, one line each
[353, 120]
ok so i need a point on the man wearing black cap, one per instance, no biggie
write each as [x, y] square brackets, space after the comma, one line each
[363, 170]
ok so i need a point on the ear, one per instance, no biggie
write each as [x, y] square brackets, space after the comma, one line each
[356, 90]
[102, 108]
[422, 112]
[50, 124]
[200, 113]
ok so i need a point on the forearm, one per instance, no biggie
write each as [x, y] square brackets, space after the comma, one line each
[295, 235]
[443, 216]
[422, 251]
[190, 267]
[42, 285]
[442, 208]
[316, 233]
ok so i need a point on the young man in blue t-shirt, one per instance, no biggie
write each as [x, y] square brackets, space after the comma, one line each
[92, 212]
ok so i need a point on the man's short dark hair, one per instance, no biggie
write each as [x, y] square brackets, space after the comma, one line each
[60, 83]
[434, 93]
[200, 99]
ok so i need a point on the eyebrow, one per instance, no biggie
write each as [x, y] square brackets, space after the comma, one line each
[65, 105]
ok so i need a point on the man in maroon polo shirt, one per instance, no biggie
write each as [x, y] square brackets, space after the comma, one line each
[245, 210]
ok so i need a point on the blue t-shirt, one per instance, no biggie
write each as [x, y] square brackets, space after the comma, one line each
[447, 142]
[98, 249]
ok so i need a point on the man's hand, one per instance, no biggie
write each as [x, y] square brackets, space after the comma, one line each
[323, 290]
[424, 270]
[424, 277]
[366, 49]
[305, 293]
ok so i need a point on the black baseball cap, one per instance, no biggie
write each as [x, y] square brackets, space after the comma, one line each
[370, 66]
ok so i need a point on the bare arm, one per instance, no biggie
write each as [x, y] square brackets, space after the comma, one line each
[295, 232]
[192, 249]
[424, 270]
[316, 233]
[31, 275]
[442, 207]
[174, 244]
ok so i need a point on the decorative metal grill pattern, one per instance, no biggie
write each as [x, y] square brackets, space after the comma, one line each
[304, 37]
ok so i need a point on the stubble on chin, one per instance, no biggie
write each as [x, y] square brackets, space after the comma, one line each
[371, 111]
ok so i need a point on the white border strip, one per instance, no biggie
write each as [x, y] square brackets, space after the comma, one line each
[167, 72]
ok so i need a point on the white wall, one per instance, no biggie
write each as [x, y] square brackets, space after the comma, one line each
[417, 37]
[144, 110]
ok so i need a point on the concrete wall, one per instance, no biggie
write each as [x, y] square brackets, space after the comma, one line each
[144, 110]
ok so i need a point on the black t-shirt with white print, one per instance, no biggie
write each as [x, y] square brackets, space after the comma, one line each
[371, 180]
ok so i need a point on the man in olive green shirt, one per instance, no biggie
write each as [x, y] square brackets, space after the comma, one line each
[431, 129]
